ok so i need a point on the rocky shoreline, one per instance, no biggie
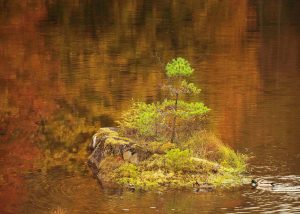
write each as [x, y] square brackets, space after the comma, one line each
[122, 161]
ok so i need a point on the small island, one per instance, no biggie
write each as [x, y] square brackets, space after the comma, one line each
[166, 145]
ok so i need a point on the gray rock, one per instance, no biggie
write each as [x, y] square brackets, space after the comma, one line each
[134, 158]
[127, 155]
[107, 142]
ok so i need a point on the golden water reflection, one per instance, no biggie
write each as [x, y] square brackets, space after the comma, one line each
[67, 67]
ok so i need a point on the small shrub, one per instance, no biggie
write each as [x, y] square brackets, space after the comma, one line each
[140, 120]
[154, 121]
[178, 160]
[190, 117]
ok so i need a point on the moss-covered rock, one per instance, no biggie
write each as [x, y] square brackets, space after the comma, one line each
[107, 142]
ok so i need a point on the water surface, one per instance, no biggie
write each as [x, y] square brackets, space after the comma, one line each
[69, 67]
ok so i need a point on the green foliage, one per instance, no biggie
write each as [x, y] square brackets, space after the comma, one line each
[179, 67]
[190, 117]
[189, 88]
[170, 119]
[140, 119]
[177, 88]
[154, 121]
[178, 160]
[176, 70]
[187, 111]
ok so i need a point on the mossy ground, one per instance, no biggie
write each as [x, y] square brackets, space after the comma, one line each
[202, 160]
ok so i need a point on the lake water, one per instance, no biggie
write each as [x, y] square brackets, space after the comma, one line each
[69, 67]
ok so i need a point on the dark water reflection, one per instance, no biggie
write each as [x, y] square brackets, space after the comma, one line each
[81, 62]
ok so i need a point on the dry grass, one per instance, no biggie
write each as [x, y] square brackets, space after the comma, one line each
[204, 144]
[208, 146]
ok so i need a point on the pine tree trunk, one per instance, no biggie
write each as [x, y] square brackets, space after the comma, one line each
[174, 120]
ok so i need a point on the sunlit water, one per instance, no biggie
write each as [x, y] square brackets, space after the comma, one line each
[82, 62]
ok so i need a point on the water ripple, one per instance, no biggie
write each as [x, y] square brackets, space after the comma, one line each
[82, 194]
